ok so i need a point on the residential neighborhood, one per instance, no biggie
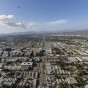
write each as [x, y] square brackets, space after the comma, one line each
[44, 62]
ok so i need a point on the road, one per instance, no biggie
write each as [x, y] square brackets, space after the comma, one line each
[41, 75]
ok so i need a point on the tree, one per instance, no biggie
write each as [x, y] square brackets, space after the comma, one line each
[32, 54]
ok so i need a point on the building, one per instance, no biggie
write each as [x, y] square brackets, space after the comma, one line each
[26, 65]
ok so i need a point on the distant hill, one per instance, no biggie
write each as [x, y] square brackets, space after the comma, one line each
[82, 32]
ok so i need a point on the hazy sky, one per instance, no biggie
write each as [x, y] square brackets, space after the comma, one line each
[43, 15]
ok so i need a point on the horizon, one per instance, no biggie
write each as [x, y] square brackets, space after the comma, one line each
[43, 15]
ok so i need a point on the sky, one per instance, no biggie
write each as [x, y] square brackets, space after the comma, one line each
[43, 15]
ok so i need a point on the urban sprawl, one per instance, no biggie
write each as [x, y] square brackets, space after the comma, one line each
[43, 62]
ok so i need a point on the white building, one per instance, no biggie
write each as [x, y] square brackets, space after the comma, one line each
[26, 65]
